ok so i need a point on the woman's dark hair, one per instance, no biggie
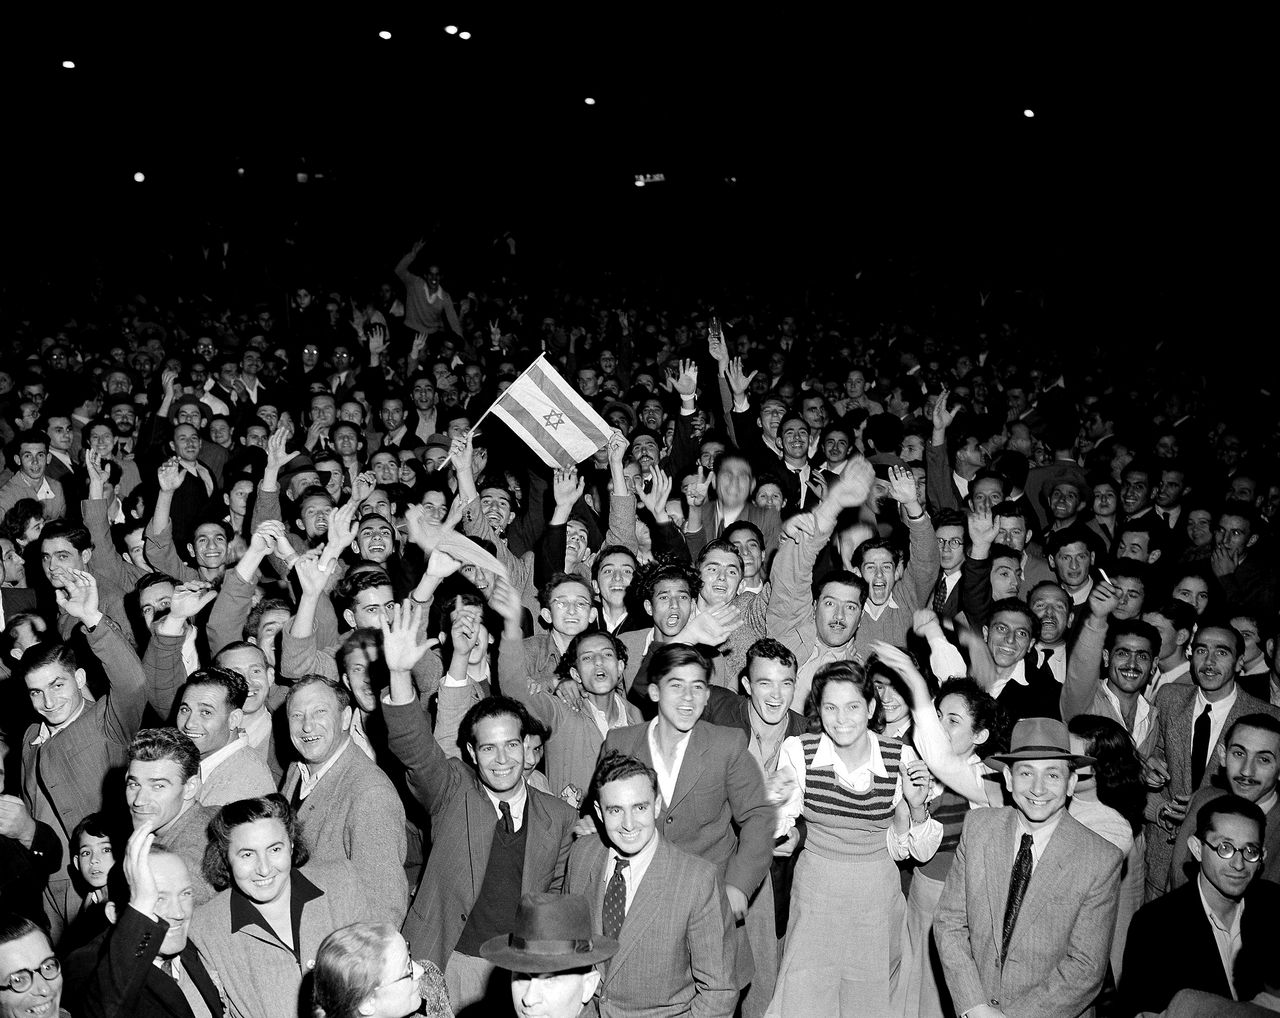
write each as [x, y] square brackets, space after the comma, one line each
[1117, 765]
[247, 811]
[984, 710]
[843, 671]
[348, 968]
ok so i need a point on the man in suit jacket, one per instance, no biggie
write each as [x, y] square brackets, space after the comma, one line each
[1249, 755]
[734, 479]
[493, 837]
[347, 807]
[144, 966]
[713, 792]
[950, 527]
[1216, 653]
[1173, 943]
[1026, 915]
[676, 954]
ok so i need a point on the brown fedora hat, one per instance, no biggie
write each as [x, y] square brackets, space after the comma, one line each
[552, 934]
[1041, 739]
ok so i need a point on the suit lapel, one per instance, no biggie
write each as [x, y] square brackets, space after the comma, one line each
[537, 841]
[690, 766]
[1042, 890]
[193, 966]
[999, 856]
[645, 906]
[480, 824]
[1180, 736]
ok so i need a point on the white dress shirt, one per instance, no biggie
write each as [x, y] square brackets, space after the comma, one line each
[1217, 716]
[1039, 839]
[517, 804]
[1226, 937]
[667, 776]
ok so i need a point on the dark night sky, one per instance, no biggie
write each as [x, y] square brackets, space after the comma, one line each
[849, 137]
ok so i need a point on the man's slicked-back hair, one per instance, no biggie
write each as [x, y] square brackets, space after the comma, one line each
[152, 745]
[615, 766]
[232, 683]
[670, 656]
[491, 707]
[78, 536]
[769, 649]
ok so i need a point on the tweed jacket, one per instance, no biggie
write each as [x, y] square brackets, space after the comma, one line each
[260, 976]
[675, 952]
[462, 823]
[355, 814]
[1060, 947]
[242, 775]
[187, 835]
[1175, 702]
[83, 765]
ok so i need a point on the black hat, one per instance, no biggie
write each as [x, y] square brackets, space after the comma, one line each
[552, 934]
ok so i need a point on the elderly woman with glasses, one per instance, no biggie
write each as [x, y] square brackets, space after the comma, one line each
[365, 971]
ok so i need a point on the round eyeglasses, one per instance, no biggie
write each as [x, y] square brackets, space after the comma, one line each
[1251, 852]
[21, 980]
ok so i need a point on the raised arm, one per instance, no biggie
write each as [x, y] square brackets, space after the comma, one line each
[922, 570]
[161, 552]
[231, 608]
[402, 266]
[166, 673]
[939, 489]
[1084, 663]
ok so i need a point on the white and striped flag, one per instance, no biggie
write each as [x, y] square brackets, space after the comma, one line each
[550, 417]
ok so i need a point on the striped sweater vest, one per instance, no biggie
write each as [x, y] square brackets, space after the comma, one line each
[949, 810]
[844, 824]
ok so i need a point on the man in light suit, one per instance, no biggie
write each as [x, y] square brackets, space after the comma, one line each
[1025, 920]
[665, 907]
[494, 838]
[1187, 738]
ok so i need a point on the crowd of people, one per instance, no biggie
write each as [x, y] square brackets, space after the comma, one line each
[858, 673]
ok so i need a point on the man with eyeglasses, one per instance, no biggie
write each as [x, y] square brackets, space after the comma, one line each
[1247, 580]
[30, 973]
[1214, 933]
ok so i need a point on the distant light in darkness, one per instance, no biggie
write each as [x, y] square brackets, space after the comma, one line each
[70, 65]
[451, 29]
[139, 177]
[464, 35]
[384, 35]
[1028, 113]
[589, 101]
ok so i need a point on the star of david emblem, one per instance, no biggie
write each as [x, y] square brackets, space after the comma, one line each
[553, 420]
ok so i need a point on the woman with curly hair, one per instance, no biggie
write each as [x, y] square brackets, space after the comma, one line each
[365, 971]
[262, 933]
[1109, 799]
[863, 797]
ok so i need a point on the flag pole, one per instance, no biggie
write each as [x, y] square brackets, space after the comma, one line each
[476, 427]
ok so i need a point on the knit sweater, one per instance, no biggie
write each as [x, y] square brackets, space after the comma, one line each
[908, 594]
[242, 775]
[845, 824]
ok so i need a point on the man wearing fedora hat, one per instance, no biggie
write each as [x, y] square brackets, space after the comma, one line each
[1025, 920]
[551, 953]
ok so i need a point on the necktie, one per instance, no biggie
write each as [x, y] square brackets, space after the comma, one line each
[1018, 880]
[504, 808]
[940, 596]
[168, 968]
[1199, 748]
[615, 900]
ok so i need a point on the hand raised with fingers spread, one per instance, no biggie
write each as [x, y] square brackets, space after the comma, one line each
[79, 598]
[310, 576]
[403, 645]
[277, 449]
[170, 474]
[942, 417]
[442, 564]
[505, 600]
[686, 381]
[853, 486]
[342, 528]
[711, 627]
[982, 529]
[697, 493]
[363, 487]
[659, 493]
[717, 348]
[739, 380]
[902, 485]
[567, 486]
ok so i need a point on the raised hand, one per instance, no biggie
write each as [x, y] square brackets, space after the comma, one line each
[363, 486]
[442, 564]
[264, 537]
[712, 627]
[853, 485]
[982, 529]
[902, 485]
[925, 624]
[277, 452]
[376, 334]
[897, 660]
[801, 524]
[495, 333]
[739, 380]
[310, 576]
[567, 486]
[717, 348]
[342, 527]
[460, 455]
[686, 381]
[942, 417]
[659, 493]
[190, 598]
[464, 630]
[78, 595]
[617, 447]
[402, 642]
[170, 475]
[1103, 599]
[504, 599]
[169, 383]
[97, 473]
[696, 494]
[143, 893]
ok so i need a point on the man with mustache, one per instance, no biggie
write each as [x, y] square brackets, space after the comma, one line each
[1192, 721]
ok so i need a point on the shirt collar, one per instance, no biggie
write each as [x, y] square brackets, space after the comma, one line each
[826, 756]
[1212, 916]
[309, 782]
[637, 863]
[875, 611]
[244, 912]
[46, 733]
[517, 803]
[1218, 708]
[209, 763]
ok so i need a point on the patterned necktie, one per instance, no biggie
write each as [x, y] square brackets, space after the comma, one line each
[1199, 748]
[615, 900]
[504, 808]
[1018, 880]
[940, 596]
